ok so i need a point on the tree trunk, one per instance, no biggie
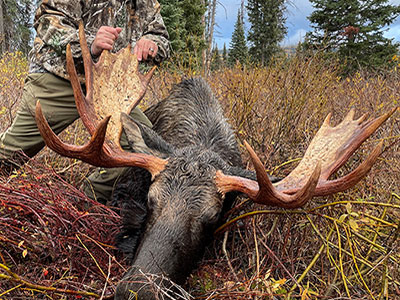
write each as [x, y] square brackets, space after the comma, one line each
[2, 35]
[210, 32]
[205, 26]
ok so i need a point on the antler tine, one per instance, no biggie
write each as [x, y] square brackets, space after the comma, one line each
[87, 59]
[80, 99]
[84, 153]
[328, 187]
[146, 79]
[359, 134]
[263, 191]
[102, 157]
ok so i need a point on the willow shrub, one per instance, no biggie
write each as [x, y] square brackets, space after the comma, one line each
[347, 248]
[342, 245]
[339, 246]
[13, 71]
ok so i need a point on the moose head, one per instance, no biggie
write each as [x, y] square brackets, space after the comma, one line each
[188, 167]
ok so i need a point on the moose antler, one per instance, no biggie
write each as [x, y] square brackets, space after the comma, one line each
[113, 85]
[328, 151]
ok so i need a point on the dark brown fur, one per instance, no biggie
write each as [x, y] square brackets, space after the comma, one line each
[169, 221]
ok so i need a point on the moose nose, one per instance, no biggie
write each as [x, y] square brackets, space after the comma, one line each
[140, 285]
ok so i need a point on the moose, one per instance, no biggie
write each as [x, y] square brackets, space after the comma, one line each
[186, 171]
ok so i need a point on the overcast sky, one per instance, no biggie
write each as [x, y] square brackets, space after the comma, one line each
[297, 22]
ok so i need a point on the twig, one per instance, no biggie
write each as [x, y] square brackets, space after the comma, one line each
[10, 290]
[346, 229]
[258, 212]
[256, 249]
[16, 278]
[108, 276]
[280, 262]
[91, 255]
[102, 247]
[227, 257]
[354, 202]
[341, 260]
[167, 292]
[314, 260]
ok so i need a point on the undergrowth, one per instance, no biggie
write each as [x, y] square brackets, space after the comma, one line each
[54, 241]
[342, 246]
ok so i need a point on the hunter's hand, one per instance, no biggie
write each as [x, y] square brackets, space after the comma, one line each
[104, 40]
[145, 49]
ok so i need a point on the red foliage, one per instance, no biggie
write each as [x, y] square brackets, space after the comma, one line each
[52, 234]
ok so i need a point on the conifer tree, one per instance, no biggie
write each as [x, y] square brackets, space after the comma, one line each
[224, 55]
[172, 14]
[353, 30]
[183, 19]
[238, 51]
[216, 62]
[193, 14]
[267, 28]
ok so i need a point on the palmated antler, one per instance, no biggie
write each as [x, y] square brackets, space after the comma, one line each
[328, 151]
[113, 85]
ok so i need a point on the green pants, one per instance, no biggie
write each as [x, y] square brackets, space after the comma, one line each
[58, 104]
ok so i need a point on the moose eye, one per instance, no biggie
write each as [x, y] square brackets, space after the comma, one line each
[210, 216]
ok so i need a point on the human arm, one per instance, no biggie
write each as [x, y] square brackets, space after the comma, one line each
[154, 35]
[56, 23]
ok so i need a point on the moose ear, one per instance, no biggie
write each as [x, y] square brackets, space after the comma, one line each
[143, 139]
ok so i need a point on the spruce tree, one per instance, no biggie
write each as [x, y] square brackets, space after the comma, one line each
[238, 51]
[183, 19]
[193, 14]
[224, 55]
[353, 31]
[216, 61]
[173, 18]
[267, 28]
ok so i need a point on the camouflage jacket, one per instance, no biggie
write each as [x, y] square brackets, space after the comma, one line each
[56, 25]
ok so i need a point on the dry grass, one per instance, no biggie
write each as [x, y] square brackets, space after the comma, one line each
[342, 246]
[13, 71]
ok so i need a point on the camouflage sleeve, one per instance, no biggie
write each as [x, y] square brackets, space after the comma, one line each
[155, 30]
[56, 24]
